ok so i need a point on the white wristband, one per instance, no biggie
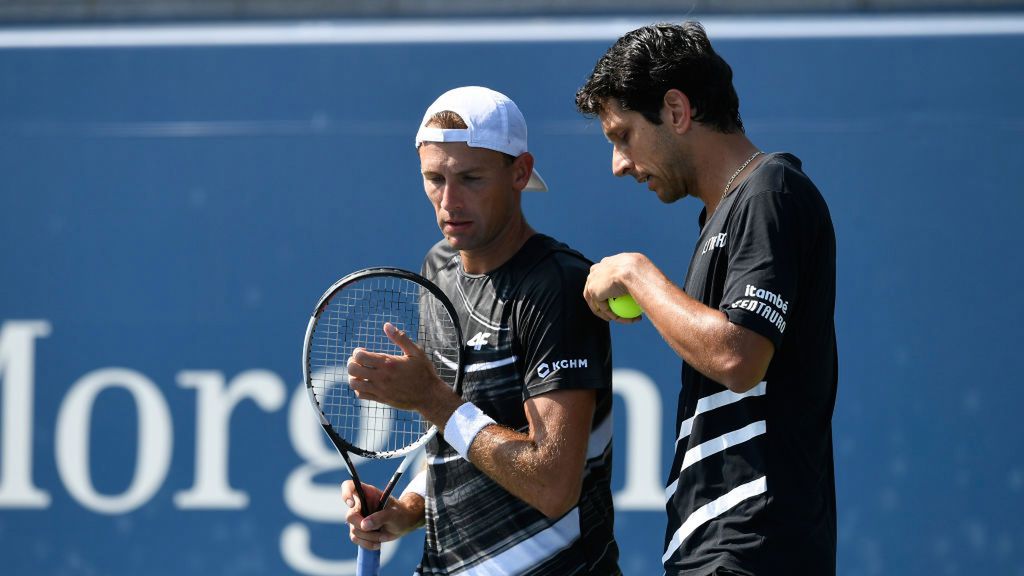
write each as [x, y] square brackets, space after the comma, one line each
[463, 426]
[418, 485]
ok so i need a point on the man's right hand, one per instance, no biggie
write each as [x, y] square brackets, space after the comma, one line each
[397, 518]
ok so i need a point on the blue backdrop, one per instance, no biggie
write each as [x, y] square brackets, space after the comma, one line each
[169, 215]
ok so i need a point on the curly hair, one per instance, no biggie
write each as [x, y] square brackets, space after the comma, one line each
[644, 64]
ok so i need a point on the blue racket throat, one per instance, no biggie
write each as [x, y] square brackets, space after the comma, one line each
[367, 562]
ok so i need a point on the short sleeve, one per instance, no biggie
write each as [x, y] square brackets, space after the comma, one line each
[563, 345]
[761, 283]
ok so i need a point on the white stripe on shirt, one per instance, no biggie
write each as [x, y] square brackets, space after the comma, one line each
[709, 403]
[488, 365]
[713, 510]
[479, 365]
[714, 446]
[532, 551]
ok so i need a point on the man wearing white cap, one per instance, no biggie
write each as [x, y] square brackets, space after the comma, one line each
[520, 481]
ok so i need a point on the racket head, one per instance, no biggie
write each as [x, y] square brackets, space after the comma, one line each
[351, 314]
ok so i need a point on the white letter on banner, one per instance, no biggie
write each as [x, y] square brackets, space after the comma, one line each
[643, 489]
[153, 453]
[316, 502]
[17, 387]
[211, 489]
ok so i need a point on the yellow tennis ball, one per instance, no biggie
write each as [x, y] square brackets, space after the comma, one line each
[624, 306]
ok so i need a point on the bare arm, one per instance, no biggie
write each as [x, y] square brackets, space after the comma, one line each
[543, 467]
[731, 355]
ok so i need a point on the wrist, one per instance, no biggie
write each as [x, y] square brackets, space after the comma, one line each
[464, 425]
[443, 404]
[635, 270]
[412, 507]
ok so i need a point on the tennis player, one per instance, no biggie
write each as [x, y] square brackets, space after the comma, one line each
[751, 489]
[520, 481]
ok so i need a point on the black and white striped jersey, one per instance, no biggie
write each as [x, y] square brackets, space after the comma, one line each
[526, 331]
[751, 488]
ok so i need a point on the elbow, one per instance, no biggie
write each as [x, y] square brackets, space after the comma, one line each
[741, 385]
[739, 376]
[744, 364]
[558, 500]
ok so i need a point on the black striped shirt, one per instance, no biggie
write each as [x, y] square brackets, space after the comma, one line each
[527, 331]
[751, 488]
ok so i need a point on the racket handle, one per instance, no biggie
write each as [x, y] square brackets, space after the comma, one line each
[367, 562]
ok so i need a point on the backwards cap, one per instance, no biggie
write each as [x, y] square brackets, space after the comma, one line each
[493, 121]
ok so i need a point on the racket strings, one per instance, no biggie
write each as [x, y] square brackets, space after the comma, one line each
[354, 318]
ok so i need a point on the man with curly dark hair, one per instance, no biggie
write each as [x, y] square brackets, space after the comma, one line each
[751, 490]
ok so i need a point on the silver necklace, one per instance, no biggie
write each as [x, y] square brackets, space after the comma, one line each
[737, 173]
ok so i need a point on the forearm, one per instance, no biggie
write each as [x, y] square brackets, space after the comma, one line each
[538, 475]
[702, 336]
[543, 467]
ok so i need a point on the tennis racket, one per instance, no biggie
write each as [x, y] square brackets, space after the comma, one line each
[351, 314]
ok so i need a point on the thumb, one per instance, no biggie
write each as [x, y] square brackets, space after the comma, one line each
[375, 521]
[401, 339]
[380, 522]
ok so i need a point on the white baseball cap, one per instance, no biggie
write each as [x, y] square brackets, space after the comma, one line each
[493, 121]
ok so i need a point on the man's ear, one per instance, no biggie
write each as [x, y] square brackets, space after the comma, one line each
[522, 168]
[676, 111]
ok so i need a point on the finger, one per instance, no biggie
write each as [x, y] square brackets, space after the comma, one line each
[366, 533]
[353, 517]
[367, 359]
[598, 306]
[348, 492]
[353, 501]
[401, 339]
[357, 370]
[622, 320]
[363, 390]
[592, 302]
[378, 520]
[363, 540]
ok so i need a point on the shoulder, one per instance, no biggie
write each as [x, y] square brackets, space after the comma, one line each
[779, 185]
[550, 265]
[781, 174]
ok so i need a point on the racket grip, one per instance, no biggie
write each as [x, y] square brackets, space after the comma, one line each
[367, 562]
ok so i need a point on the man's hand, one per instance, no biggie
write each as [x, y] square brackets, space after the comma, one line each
[396, 519]
[610, 278]
[407, 382]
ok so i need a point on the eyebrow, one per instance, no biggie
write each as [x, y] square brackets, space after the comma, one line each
[463, 172]
[612, 126]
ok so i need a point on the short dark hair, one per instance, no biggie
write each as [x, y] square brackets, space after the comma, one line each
[646, 63]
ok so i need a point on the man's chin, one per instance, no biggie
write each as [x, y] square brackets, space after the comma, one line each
[667, 197]
[457, 242]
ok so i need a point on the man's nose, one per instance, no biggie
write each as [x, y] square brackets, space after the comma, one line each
[621, 165]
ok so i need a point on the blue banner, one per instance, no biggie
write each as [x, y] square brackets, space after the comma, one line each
[170, 213]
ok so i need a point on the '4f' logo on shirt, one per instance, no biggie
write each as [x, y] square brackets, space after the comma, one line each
[479, 340]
